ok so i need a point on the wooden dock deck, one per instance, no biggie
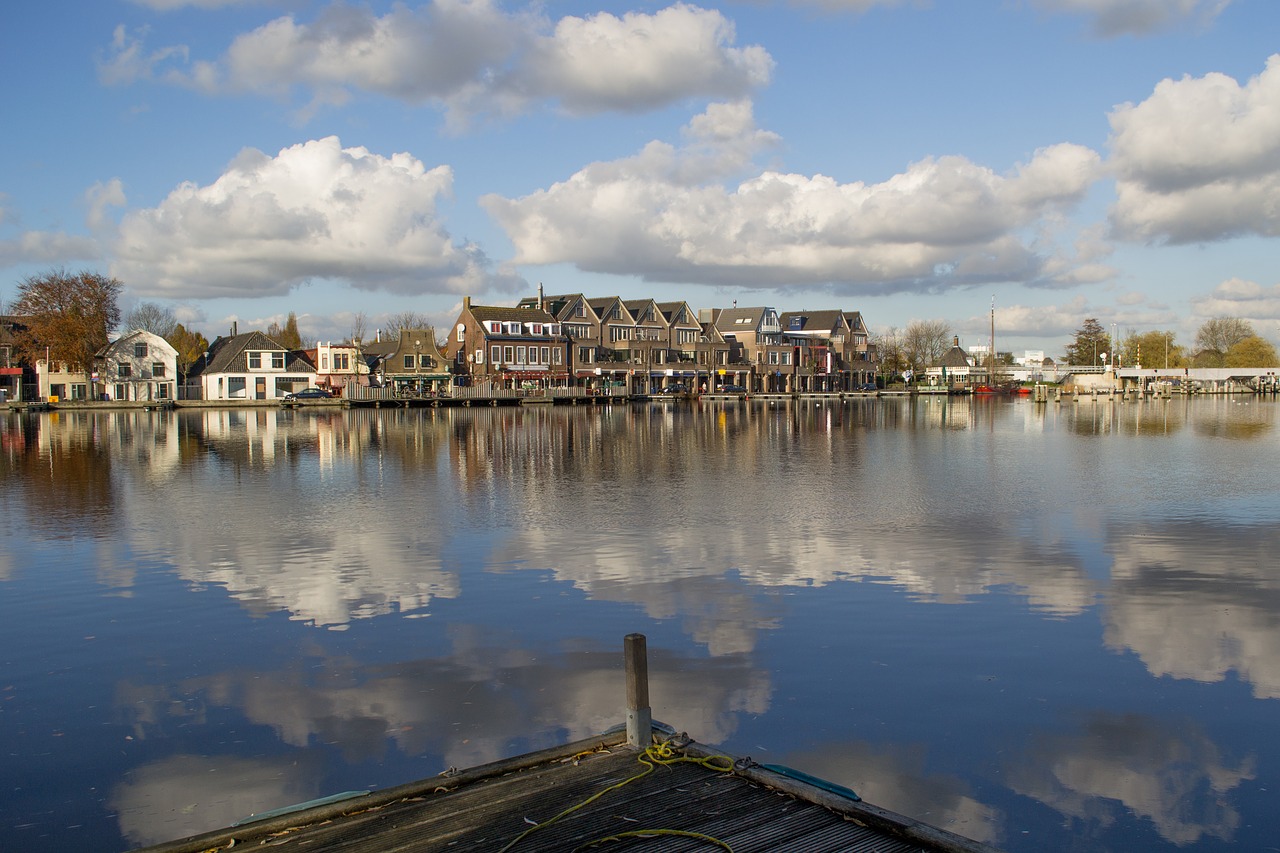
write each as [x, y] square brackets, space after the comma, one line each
[640, 787]
[682, 802]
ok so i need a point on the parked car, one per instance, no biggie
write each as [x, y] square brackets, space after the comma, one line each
[307, 394]
[675, 389]
[869, 386]
[733, 389]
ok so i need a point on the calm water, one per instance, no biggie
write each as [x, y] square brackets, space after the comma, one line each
[1050, 628]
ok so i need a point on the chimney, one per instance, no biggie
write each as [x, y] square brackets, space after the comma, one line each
[235, 324]
[955, 341]
[541, 305]
[466, 303]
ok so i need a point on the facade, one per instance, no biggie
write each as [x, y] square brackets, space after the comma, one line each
[507, 348]
[338, 365]
[137, 367]
[12, 374]
[415, 366]
[250, 367]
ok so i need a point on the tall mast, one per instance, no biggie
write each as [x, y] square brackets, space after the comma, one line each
[992, 377]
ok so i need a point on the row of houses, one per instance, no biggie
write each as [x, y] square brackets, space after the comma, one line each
[603, 344]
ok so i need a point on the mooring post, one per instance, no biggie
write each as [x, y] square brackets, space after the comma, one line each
[639, 716]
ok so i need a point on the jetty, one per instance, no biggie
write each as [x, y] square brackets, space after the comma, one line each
[639, 786]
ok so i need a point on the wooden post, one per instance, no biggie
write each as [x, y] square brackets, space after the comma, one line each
[639, 715]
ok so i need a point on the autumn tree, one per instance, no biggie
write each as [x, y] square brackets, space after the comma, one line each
[1216, 338]
[288, 336]
[1153, 349]
[1088, 344]
[191, 347]
[150, 317]
[69, 315]
[925, 342]
[1253, 351]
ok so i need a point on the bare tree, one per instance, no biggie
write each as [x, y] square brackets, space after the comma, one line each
[925, 342]
[359, 327]
[406, 320]
[889, 347]
[150, 317]
[1216, 338]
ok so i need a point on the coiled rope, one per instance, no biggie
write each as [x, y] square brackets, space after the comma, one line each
[664, 753]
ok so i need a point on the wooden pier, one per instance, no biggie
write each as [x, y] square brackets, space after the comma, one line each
[639, 787]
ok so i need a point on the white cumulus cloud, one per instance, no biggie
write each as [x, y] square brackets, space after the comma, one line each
[1199, 160]
[658, 216]
[315, 210]
[470, 57]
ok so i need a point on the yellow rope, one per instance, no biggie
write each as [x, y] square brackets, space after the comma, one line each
[658, 753]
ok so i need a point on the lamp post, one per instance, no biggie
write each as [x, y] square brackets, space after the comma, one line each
[417, 363]
[1115, 346]
[1166, 350]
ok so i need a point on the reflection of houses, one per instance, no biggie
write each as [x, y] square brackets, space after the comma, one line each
[415, 364]
[139, 366]
[508, 347]
[249, 367]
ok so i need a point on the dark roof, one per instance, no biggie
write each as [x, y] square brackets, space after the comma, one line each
[227, 355]
[811, 322]
[485, 313]
[955, 357]
[727, 321]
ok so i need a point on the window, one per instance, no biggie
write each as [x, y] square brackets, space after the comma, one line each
[341, 361]
[495, 328]
[162, 390]
[508, 354]
[122, 391]
[553, 329]
[78, 391]
[557, 355]
[520, 354]
[546, 355]
[255, 361]
[124, 371]
[140, 350]
[235, 386]
[537, 328]
[586, 355]
[580, 311]
[495, 355]
[157, 369]
[462, 333]
[426, 361]
[277, 361]
[324, 362]
[479, 355]
[408, 362]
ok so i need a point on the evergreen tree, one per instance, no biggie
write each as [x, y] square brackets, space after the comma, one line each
[1090, 342]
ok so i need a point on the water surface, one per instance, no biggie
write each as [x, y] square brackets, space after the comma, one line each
[1052, 628]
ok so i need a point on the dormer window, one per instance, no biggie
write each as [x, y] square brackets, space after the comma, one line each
[495, 328]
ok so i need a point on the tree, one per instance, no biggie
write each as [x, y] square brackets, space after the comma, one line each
[1217, 336]
[405, 320]
[1153, 350]
[925, 342]
[150, 317]
[68, 315]
[1089, 343]
[191, 347]
[1253, 351]
[288, 337]
[889, 348]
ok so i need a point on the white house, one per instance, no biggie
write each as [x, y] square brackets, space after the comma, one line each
[137, 366]
[250, 367]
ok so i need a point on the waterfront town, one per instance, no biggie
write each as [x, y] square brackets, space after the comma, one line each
[555, 346]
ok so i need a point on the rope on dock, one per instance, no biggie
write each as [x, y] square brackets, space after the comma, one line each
[661, 753]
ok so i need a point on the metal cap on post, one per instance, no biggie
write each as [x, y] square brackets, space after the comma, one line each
[635, 654]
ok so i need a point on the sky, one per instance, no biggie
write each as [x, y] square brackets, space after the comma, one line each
[1039, 161]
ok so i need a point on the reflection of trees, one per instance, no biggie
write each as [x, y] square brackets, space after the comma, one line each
[1196, 600]
[896, 779]
[1175, 777]
[63, 467]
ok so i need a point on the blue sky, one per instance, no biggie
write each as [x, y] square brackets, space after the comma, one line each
[236, 160]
